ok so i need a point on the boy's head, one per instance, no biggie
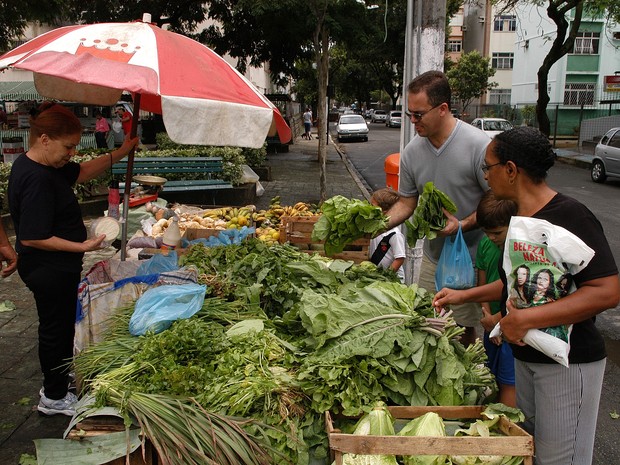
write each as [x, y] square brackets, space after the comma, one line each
[385, 198]
[493, 217]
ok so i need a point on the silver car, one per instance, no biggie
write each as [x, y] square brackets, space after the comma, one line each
[378, 116]
[606, 160]
[352, 127]
[394, 119]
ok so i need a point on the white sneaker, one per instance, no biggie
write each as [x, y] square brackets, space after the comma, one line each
[64, 406]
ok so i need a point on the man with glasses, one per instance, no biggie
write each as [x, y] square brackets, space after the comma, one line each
[450, 153]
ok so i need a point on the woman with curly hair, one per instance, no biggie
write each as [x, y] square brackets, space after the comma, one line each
[560, 403]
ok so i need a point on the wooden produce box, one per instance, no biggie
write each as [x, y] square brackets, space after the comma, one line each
[95, 426]
[516, 442]
[191, 234]
[297, 230]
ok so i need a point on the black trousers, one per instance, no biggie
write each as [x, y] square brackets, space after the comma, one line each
[55, 294]
[100, 139]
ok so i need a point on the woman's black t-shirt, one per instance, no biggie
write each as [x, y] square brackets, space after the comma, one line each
[42, 204]
[586, 343]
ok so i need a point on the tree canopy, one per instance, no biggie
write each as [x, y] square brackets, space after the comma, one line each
[470, 78]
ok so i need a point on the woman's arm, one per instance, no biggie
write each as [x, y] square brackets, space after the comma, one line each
[93, 168]
[486, 293]
[55, 243]
[590, 299]
[7, 253]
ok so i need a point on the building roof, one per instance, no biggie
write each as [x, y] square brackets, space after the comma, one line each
[15, 91]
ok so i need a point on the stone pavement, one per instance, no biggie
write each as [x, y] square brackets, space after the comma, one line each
[295, 177]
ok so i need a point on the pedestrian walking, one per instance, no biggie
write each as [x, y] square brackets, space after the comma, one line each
[307, 116]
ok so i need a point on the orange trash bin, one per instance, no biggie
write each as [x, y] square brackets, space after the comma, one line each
[391, 167]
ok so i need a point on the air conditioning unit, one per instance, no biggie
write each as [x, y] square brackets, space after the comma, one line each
[463, 28]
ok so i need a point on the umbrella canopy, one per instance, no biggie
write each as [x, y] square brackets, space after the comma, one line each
[202, 99]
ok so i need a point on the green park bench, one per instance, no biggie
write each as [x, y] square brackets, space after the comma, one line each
[162, 166]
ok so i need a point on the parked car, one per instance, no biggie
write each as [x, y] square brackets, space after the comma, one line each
[394, 119]
[606, 160]
[352, 127]
[492, 126]
[378, 116]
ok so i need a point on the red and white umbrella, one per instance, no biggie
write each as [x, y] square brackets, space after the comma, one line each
[202, 99]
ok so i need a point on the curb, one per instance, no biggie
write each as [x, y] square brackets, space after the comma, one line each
[359, 180]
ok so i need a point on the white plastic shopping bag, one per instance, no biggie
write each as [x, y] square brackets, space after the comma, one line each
[540, 260]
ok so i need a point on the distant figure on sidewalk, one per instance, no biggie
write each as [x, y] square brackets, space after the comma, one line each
[102, 128]
[307, 123]
[125, 117]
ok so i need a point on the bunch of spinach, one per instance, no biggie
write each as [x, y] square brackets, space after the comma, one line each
[428, 216]
[345, 220]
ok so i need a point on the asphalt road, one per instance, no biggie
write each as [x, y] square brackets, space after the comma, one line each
[604, 201]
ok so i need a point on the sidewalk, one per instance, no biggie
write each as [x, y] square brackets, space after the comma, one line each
[295, 177]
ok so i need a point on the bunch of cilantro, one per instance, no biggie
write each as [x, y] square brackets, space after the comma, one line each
[345, 220]
[428, 216]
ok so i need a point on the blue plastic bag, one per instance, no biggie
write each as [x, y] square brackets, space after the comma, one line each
[160, 306]
[455, 269]
[159, 263]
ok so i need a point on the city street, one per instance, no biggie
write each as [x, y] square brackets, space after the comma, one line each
[603, 199]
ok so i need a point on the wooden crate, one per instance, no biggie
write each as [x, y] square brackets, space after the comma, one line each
[516, 442]
[297, 230]
[98, 425]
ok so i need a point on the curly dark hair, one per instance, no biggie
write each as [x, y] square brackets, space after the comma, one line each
[435, 85]
[528, 148]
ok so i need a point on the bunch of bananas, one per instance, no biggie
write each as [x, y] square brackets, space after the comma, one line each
[235, 217]
[271, 216]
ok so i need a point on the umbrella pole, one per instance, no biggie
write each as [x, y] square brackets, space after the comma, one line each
[129, 176]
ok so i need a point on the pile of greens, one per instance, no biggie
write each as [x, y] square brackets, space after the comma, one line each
[345, 220]
[283, 337]
[428, 216]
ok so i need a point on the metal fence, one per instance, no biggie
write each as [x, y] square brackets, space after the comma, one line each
[582, 122]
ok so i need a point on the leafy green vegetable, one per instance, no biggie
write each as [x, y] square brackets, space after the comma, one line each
[346, 220]
[428, 216]
[429, 424]
[378, 422]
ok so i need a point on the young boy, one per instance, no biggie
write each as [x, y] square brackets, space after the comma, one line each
[387, 250]
[493, 217]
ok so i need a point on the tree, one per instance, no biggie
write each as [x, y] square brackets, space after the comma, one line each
[469, 78]
[567, 16]
[16, 14]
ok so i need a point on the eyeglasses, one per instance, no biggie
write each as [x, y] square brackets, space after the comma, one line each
[486, 168]
[418, 115]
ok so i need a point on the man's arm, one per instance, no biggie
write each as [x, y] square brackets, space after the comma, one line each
[401, 210]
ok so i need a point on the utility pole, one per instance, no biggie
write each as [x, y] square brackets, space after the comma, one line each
[424, 51]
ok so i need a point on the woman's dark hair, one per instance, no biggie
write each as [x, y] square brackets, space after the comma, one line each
[526, 147]
[550, 292]
[528, 290]
[385, 198]
[494, 213]
[435, 85]
[55, 120]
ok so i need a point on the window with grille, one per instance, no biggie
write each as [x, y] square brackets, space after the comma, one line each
[579, 94]
[499, 96]
[505, 23]
[502, 60]
[586, 43]
[455, 45]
